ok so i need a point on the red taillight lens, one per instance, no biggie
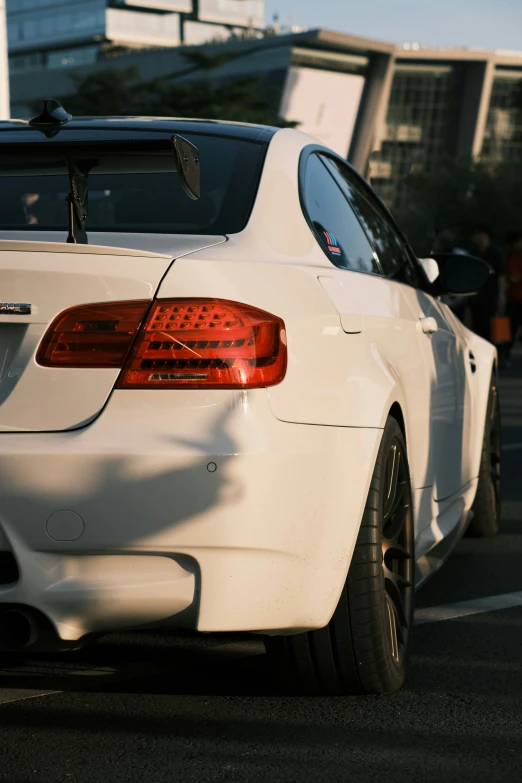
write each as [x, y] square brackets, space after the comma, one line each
[206, 343]
[97, 335]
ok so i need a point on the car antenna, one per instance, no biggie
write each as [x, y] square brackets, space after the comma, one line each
[51, 118]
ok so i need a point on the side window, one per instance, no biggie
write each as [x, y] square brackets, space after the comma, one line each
[395, 259]
[336, 226]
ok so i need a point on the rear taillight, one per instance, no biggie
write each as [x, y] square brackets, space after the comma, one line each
[97, 335]
[206, 343]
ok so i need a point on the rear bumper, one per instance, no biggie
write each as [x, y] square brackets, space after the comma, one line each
[195, 509]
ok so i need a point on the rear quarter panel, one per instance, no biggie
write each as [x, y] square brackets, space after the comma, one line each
[333, 378]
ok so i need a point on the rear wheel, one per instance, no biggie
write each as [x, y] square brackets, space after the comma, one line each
[365, 646]
[486, 508]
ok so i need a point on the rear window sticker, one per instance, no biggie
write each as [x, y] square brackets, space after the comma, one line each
[333, 245]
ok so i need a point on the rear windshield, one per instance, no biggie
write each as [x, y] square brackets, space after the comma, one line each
[138, 194]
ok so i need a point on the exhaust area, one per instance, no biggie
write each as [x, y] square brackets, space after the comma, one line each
[18, 630]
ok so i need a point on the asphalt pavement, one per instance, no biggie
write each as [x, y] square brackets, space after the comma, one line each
[149, 708]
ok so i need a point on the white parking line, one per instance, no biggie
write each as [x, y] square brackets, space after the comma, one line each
[431, 614]
[9, 695]
[492, 603]
[233, 650]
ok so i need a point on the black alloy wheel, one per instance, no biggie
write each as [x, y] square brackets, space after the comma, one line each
[397, 551]
[364, 648]
[487, 506]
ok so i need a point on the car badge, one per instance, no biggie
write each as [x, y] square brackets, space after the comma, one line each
[10, 308]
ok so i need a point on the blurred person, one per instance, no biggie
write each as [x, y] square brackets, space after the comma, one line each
[489, 301]
[446, 242]
[514, 286]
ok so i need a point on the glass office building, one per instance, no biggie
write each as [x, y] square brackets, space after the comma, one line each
[57, 33]
[503, 134]
[418, 130]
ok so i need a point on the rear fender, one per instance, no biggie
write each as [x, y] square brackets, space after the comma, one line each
[333, 378]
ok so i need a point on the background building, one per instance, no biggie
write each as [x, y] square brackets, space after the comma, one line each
[52, 34]
[4, 74]
[389, 110]
[445, 103]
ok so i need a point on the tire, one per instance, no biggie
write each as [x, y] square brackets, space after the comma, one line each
[364, 648]
[486, 508]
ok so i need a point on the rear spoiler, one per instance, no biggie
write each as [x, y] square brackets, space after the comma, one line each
[32, 246]
[80, 159]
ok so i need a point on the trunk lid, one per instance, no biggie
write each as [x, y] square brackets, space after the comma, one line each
[53, 277]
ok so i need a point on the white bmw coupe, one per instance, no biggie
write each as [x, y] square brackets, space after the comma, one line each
[231, 398]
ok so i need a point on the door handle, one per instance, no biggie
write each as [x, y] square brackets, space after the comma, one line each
[429, 325]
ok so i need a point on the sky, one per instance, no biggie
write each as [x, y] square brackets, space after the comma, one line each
[489, 24]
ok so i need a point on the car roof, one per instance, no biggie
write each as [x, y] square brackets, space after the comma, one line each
[94, 128]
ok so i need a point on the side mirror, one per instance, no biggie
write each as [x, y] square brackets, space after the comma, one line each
[431, 268]
[460, 274]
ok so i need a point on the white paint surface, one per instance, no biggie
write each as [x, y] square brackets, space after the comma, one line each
[138, 474]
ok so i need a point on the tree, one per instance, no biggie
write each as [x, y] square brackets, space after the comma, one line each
[458, 195]
[121, 92]
[117, 92]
